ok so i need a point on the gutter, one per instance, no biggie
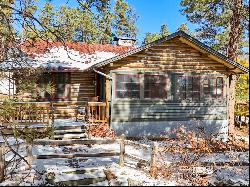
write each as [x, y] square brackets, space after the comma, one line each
[103, 74]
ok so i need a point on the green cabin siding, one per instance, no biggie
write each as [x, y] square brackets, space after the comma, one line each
[168, 109]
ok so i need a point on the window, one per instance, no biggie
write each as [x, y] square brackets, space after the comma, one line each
[197, 88]
[219, 87]
[127, 86]
[191, 88]
[188, 87]
[155, 86]
[207, 86]
[60, 83]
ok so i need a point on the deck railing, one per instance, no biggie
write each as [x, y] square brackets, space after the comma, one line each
[26, 113]
[46, 112]
[96, 112]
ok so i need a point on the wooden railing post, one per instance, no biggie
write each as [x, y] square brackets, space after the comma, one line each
[153, 166]
[122, 150]
[29, 155]
[2, 161]
[52, 112]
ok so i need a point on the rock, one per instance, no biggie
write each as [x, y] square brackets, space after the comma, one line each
[109, 175]
[132, 182]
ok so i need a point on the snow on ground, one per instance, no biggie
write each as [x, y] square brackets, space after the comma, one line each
[67, 122]
[63, 169]
[82, 171]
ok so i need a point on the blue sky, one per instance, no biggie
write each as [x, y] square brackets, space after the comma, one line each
[152, 14]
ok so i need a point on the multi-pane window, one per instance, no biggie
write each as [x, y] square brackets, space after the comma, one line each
[188, 87]
[61, 83]
[195, 88]
[155, 86]
[198, 88]
[127, 86]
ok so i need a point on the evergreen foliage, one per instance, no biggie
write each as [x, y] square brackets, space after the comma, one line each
[217, 19]
[150, 37]
[94, 21]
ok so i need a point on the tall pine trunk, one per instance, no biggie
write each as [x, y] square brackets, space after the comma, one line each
[232, 49]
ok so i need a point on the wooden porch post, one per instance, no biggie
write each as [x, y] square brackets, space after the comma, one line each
[231, 103]
[108, 97]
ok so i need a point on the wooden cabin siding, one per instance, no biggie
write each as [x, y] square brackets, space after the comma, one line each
[79, 88]
[82, 86]
[170, 57]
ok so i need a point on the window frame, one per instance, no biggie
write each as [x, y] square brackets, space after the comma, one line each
[171, 95]
[67, 85]
[187, 92]
[212, 85]
[115, 85]
[144, 85]
[222, 88]
[52, 79]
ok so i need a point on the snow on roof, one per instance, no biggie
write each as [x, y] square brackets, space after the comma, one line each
[58, 56]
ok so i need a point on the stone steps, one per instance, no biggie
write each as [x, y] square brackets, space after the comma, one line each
[80, 177]
[63, 131]
[69, 130]
[70, 136]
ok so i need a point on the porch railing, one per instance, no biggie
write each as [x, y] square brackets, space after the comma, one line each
[26, 113]
[96, 112]
[44, 112]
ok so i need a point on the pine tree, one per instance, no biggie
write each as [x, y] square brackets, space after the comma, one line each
[124, 19]
[47, 18]
[29, 30]
[7, 31]
[164, 30]
[183, 27]
[150, 37]
[104, 19]
[86, 27]
[67, 21]
[215, 21]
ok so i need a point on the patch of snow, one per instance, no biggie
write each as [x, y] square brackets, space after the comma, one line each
[67, 122]
[61, 57]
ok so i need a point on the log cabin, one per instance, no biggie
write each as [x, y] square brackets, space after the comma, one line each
[149, 90]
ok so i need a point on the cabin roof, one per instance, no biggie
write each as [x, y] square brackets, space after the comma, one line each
[189, 40]
[63, 56]
[41, 47]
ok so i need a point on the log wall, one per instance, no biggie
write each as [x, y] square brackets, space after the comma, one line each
[82, 86]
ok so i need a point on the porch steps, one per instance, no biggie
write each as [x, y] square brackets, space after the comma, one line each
[77, 130]
[70, 131]
[65, 110]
